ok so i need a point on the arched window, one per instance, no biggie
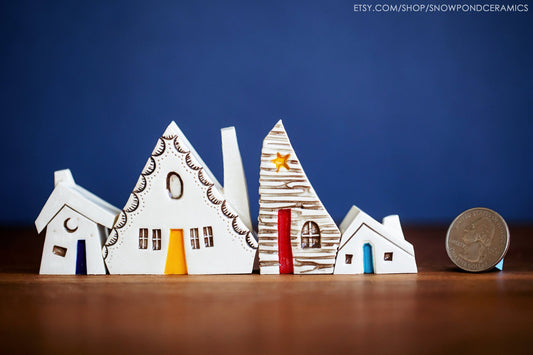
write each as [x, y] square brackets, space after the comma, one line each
[310, 235]
[174, 185]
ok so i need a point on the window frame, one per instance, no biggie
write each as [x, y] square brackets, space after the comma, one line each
[59, 251]
[348, 258]
[309, 238]
[156, 239]
[143, 238]
[195, 239]
[169, 190]
[208, 237]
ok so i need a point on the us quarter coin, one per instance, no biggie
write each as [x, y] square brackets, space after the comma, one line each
[477, 239]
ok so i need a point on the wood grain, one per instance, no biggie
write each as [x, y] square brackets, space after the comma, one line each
[286, 187]
[439, 310]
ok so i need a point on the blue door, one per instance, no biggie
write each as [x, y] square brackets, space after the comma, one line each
[81, 259]
[368, 263]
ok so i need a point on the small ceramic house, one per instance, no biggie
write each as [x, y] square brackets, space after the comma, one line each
[179, 220]
[77, 224]
[368, 246]
[296, 233]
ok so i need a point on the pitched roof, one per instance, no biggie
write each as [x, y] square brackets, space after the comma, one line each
[173, 138]
[389, 230]
[67, 193]
[283, 184]
[174, 131]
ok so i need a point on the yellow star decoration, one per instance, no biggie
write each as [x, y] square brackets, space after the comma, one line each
[281, 161]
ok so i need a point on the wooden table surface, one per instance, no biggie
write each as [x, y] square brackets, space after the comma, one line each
[438, 310]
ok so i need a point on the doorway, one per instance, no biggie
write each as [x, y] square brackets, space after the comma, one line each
[284, 242]
[368, 263]
[81, 258]
[176, 263]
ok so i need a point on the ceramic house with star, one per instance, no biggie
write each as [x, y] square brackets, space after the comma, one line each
[368, 246]
[77, 224]
[296, 234]
[179, 219]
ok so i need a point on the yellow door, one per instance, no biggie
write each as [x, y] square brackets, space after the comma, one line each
[176, 263]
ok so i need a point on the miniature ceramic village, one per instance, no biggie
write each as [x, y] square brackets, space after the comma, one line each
[180, 220]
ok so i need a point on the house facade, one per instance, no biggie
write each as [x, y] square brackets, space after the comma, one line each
[368, 246]
[77, 224]
[296, 234]
[177, 219]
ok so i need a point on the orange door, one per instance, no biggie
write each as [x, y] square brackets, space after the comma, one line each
[176, 263]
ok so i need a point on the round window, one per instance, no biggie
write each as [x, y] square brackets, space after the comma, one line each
[174, 185]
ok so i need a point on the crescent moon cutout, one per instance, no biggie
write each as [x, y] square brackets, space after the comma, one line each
[70, 230]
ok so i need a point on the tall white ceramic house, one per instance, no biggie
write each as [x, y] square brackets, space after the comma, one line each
[77, 224]
[296, 233]
[178, 219]
[368, 246]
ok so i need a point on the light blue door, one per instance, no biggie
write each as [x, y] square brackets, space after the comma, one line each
[368, 263]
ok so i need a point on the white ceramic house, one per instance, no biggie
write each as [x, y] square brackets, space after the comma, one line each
[77, 224]
[296, 233]
[368, 246]
[179, 220]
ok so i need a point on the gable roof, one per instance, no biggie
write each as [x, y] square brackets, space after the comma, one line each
[67, 193]
[174, 131]
[285, 186]
[389, 230]
[173, 138]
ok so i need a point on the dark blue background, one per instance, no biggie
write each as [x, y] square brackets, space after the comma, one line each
[424, 115]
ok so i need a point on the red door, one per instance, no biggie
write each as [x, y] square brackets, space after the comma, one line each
[284, 242]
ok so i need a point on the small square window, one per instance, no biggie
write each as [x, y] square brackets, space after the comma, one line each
[348, 259]
[57, 250]
[387, 256]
